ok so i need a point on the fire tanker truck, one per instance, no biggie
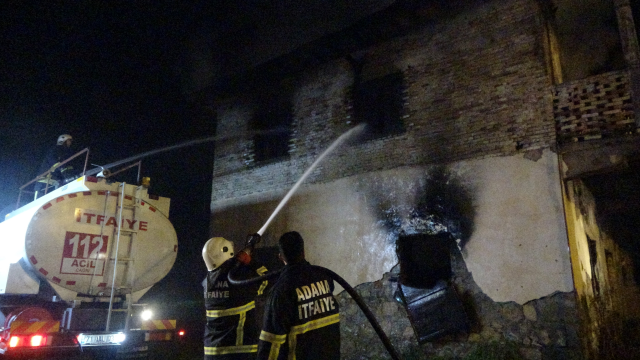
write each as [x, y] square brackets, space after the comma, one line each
[73, 265]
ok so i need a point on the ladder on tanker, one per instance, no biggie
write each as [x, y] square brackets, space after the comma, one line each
[124, 237]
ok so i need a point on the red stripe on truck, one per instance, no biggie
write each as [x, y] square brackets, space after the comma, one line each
[102, 285]
[25, 327]
[56, 280]
[43, 271]
[86, 193]
[46, 206]
[33, 260]
[61, 198]
[71, 282]
[152, 208]
[72, 195]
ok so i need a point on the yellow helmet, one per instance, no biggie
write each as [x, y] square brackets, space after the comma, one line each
[216, 251]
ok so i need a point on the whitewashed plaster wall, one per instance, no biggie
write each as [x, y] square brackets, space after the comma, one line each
[517, 252]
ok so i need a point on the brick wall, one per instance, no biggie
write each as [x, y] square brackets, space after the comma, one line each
[593, 108]
[476, 86]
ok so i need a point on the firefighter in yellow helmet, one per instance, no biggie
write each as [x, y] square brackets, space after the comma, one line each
[231, 332]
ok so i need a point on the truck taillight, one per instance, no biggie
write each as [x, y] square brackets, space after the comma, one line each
[181, 333]
[38, 340]
[13, 342]
[33, 341]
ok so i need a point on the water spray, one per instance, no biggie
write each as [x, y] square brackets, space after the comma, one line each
[178, 146]
[254, 239]
[356, 130]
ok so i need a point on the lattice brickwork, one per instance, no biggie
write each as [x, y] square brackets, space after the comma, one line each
[593, 108]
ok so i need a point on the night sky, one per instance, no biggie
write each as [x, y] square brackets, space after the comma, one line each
[113, 77]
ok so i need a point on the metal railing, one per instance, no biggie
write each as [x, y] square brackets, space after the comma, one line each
[47, 174]
[138, 164]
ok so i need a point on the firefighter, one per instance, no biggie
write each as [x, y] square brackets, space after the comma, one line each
[301, 319]
[60, 174]
[231, 332]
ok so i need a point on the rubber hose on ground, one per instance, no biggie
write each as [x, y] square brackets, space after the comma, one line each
[354, 295]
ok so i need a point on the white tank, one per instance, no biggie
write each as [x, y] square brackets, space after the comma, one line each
[72, 237]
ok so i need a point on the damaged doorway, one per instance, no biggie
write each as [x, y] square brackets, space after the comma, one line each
[424, 286]
[603, 219]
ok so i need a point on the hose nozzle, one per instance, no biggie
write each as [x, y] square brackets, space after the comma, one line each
[252, 240]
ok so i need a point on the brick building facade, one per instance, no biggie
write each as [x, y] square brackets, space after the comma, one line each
[469, 134]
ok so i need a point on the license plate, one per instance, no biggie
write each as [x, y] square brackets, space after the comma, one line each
[101, 339]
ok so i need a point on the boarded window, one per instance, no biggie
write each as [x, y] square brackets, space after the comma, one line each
[378, 103]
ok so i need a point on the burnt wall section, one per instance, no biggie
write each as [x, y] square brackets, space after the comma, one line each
[474, 86]
[541, 329]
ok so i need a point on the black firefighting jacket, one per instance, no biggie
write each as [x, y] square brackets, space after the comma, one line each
[301, 317]
[231, 325]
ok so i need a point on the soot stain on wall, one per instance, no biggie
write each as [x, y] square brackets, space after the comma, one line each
[442, 204]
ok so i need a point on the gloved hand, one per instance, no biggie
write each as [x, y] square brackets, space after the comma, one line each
[252, 240]
[244, 257]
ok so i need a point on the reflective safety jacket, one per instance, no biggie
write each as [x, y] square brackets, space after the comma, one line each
[54, 155]
[302, 318]
[231, 327]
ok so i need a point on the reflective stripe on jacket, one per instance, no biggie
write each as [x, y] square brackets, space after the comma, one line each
[231, 324]
[302, 319]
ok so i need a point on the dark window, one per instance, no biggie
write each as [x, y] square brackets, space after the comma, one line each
[635, 11]
[593, 259]
[424, 259]
[378, 102]
[588, 38]
[273, 122]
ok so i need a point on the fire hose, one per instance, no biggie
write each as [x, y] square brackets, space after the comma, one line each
[255, 238]
[354, 295]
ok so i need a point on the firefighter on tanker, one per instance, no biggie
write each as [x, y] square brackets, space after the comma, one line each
[231, 332]
[54, 156]
[302, 318]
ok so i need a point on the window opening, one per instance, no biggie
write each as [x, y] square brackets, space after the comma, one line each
[272, 121]
[424, 259]
[378, 102]
[589, 38]
[593, 259]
